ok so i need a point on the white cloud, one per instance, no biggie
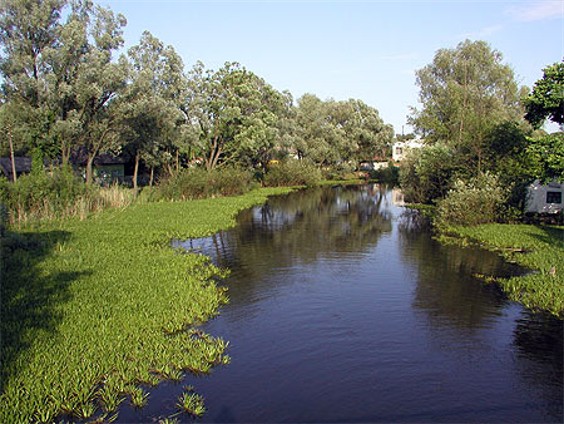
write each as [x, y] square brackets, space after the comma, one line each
[538, 10]
[483, 33]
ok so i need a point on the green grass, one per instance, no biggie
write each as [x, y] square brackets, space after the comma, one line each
[539, 248]
[92, 311]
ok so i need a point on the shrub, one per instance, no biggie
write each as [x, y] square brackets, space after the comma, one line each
[478, 201]
[292, 173]
[48, 195]
[198, 183]
[426, 174]
[58, 193]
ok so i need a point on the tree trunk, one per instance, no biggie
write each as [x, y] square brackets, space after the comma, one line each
[177, 161]
[12, 156]
[89, 169]
[135, 171]
[152, 176]
[65, 154]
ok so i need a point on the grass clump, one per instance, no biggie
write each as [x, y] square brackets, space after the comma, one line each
[191, 403]
[539, 248]
[91, 309]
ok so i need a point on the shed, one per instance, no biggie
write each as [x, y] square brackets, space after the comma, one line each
[545, 198]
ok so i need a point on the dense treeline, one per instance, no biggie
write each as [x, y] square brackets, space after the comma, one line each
[483, 143]
[67, 98]
[67, 95]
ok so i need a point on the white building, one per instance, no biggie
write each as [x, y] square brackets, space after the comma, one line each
[545, 198]
[400, 149]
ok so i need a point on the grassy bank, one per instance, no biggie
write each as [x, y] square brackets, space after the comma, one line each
[95, 311]
[539, 248]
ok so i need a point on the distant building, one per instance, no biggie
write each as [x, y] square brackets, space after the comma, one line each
[545, 199]
[400, 149]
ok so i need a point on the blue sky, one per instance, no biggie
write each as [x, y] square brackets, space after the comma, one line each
[367, 50]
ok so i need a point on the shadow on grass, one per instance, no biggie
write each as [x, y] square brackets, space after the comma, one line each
[29, 300]
[553, 236]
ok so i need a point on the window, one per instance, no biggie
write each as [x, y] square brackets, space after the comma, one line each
[554, 197]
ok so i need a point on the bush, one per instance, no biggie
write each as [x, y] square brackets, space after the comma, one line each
[58, 193]
[48, 195]
[426, 174]
[292, 173]
[390, 174]
[478, 201]
[198, 183]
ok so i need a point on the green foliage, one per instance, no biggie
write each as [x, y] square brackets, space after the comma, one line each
[46, 195]
[198, 183]
[191, 403]
[390, 174]
[465, 93]
[336, 134]
[105, 305]
[477, 201]
[292, 173]
[547, 98]
[57, 194]
[236, 114]
[546, 157]
[426, 174]
[539, 248]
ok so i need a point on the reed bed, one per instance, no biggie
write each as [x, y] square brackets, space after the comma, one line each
[95, 312]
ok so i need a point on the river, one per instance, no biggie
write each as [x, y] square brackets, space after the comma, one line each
[344, 309]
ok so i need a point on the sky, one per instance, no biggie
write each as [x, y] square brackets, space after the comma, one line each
[367, 50]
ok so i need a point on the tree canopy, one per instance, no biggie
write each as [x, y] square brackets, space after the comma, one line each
[547, 98]
[465, 93]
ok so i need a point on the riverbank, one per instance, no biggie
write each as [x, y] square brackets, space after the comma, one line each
[94, 311]
[538, 248]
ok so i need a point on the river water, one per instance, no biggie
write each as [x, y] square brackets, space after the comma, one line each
[344, 309]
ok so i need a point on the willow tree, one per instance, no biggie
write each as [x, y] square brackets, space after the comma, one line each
[236, 114]
[28, 34]
[465, 93]
[152, 104]
[333, 132]
[58, 69]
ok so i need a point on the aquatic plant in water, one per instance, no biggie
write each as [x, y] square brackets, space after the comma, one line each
[92, 309]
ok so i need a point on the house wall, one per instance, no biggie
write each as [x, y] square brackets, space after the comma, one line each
[400, 149]
[539, 196]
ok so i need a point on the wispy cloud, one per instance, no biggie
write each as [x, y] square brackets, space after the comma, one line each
[399, 57]
[483, 33]
[538, 10]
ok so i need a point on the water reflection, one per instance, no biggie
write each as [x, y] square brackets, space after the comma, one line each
[344, 309]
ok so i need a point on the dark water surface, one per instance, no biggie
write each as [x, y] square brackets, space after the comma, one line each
[343, 309]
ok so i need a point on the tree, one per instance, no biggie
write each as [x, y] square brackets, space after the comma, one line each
[236, 114]
[61, 74]
[334, 133]
[28, 34]
[547, 97]
[546, 157]
[98, 82]
[318, 140]
[152, 106]
[465, 93]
